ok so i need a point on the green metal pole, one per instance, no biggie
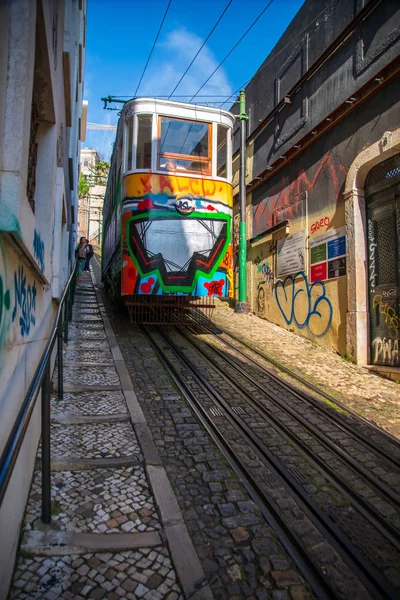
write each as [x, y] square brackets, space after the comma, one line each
[242, 307]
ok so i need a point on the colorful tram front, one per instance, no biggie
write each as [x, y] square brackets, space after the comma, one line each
[167, 213]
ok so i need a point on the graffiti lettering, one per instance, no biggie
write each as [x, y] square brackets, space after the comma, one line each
[266, 271]
[4, 298]
[324, 222]
[38, 249]
[198, 187]
[229, 277]
[391, 319]
[386, 351]
[389, 293]
[257, 260]
[24, 301]
[214, 287]
[260, 300]
[298, 305]
[226, 258]
[372, 246]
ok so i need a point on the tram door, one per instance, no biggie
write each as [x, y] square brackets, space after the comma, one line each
[383, 222]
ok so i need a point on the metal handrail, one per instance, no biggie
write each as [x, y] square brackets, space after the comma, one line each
[41, 380]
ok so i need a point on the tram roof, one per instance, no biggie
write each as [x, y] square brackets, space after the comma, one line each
[177, 109]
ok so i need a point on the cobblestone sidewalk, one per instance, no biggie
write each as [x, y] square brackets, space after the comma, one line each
[106, 539]
[375, 398]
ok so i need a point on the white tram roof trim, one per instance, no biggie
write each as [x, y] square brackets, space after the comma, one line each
[182, 110]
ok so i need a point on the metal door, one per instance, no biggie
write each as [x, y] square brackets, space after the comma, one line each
[383, 218]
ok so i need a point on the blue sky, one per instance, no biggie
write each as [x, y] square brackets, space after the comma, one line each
[120, 36]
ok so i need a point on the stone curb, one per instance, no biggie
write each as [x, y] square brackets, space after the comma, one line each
[68, 387]
[53, 543]
[75, 463]
[184, 556]
[71, 419]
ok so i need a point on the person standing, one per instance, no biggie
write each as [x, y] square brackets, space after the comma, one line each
[89, 254]
[81, 256]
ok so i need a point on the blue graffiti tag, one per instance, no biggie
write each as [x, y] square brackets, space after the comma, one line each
[38, 249]
[314, 312]
[25, 300]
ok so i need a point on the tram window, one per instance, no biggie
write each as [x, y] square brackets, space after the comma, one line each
[143, 156]
[222, 149]
[130, 143]
[184, 145]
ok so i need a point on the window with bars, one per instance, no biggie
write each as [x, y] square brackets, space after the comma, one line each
[385, 170]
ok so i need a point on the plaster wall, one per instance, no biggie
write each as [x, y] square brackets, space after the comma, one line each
[35, 247]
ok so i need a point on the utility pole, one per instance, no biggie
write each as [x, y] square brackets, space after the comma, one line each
[242, 306]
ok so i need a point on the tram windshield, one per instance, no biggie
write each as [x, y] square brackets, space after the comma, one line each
[184, 145]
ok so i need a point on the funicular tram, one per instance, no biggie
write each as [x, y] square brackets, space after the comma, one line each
[167, 217]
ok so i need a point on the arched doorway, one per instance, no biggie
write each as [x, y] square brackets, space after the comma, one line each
[358, 338]
[382, 197]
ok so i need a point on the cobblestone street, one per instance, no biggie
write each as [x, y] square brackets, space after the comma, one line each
[374, 397]
[144, 505]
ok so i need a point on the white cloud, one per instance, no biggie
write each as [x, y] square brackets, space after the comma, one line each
[172, 59]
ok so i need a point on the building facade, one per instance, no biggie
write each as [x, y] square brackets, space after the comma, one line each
[42, 50]
[323, 175]
[90, 211]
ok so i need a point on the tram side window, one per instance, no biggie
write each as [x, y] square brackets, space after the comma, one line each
[143, 153]
[184, 146]
[222, 150]
[130, 143]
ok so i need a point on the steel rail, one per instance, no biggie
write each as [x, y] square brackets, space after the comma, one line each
[368, 511]
[372, 580]
[40, 379]
[321, 408]
[289, 540]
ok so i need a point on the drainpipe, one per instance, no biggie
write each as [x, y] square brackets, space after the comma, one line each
[242, 306]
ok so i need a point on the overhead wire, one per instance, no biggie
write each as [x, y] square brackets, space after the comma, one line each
[232, 49]
[201, 47]
[154, 45]
[278, 53]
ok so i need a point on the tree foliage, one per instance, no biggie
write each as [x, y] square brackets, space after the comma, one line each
[83, 186]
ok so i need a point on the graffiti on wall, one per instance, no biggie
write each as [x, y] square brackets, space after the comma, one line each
[386, 351]
[299, 305]
[4, 301]
[266, 272]
[371, 252]
[281, 199]
[392, 321]
[24, 301]
[38, 250]
[320, 224]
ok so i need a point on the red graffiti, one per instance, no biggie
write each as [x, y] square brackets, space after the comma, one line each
[197, 187]
[209, 207]
[281, 195]
[214, 288]
[145, 288]
[324, 222]
[146, 184]
[146, 204]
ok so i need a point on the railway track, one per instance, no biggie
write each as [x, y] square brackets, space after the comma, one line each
[382, 441]
[276, 465]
